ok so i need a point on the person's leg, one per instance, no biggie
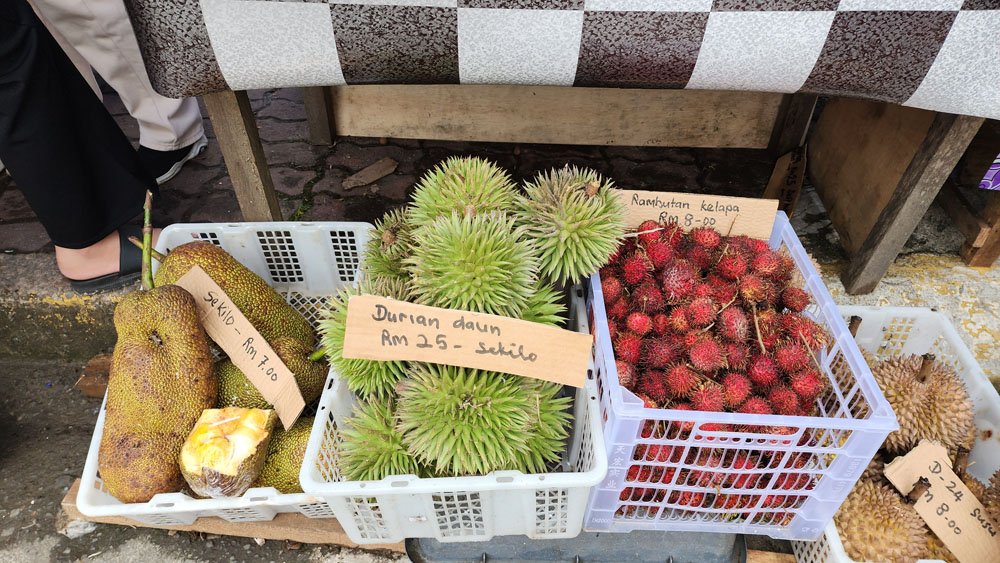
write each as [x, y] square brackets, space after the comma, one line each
[75, 57]
[66, 153]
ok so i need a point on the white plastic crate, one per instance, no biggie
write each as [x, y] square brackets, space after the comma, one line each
[794, 494]
[887, 331]
[305, 262]
[459, 509]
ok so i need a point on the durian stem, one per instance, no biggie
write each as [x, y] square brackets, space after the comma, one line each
[961, 461]
[926, 364]
[157, 255]
[147, 242]
[918, 490]
[318, 355]
[854, 324]
[756, 325]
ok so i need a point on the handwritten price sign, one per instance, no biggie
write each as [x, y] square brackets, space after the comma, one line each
[728, 215]
[947, 506]
[385, 329]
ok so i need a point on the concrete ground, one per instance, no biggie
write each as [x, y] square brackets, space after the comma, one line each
[47, 333]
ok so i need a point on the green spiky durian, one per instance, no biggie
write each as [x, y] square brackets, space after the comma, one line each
[548, 427]
[393, 288]
[388, 244]
[576, 219]
[373, 448]
[545, 307]
[461, 184]
[479, 263]
[367, 378]
[461, 421]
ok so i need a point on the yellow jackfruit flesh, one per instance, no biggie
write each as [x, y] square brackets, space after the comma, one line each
[226, 450]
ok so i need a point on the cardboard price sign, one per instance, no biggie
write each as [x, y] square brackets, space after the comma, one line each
[948, 507]
[379, 328]
[728, 215]
[247, 349]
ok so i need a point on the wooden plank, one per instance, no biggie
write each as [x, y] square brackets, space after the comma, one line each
[963, 215]
[236, 131]
[319, 114]
[858, 151]
[756, 556]
[986, 254]
[946, 140]
[561, 115]
[786, 180]
[286, 526]
[792, 123]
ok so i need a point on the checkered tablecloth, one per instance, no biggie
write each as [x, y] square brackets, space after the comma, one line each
[935, 54]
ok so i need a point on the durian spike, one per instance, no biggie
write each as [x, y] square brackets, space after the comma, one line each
[926, 365]
[147, 242]
[854, 324]
[918, 490]
[157, 255]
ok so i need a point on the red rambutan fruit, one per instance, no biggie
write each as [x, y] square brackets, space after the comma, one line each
[743, 462]
[736, 387]
[753, 289]
[659, 353]
[626, 374]
[708, 398]
[756, 245]
[653, 383]
[791, 357]
[807, 384]
[639, 323]
[733, 324]
[661, 324]
[648, 231]
[706, 237]
[701, 312]
[678, 320]
[795, 299]
[701, 257]
[763, 372]
[722, 291]
[702, 289]
[673, 235]
[612, 288]
[755, 405]
[732, 265]
[766, 264]
[635, 269]
[681, 380]
[678, 281]
[648, 298]
[659, 253]
[783, 400]
[612, 329]
[737, 355]
[805, 330]
[706, 355]
[647, 403]
[618, 310]
[628, 347]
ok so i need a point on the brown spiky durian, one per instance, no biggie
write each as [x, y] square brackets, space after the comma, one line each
[929, 399]
[876, 524]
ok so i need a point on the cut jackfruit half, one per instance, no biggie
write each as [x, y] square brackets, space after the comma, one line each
[226, 449]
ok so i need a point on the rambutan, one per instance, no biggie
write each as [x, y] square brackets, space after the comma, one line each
[612, 288]
[628, 347]
[681, 380]
[723, 291]
[732, 266]
[612, 329]
[791, 357]
[709, 397]
[648, 298]
[626, 374]
[659, 253]
[755, 405]
[647, 403]
[678, 321]
[752, 289]
[705, 237]
[706, 355]
[783, 400]
[763, 372]
[639, 323]
[756, 245]
[659, 353]
[701, 312]
[743, 480]
[766, 264]
[733, 324]
[624, 249]
[795, 299]
[673, 235]
[678, 281]
[807, 384]
[701, 257]
[653, 383]
[803, 329]
[648, 231]
[661, 324]
[635, 269]
[736, 387]
[702, 289]
[737, 355]
[618, 310]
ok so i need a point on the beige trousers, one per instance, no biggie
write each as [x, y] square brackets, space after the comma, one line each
[97, 34]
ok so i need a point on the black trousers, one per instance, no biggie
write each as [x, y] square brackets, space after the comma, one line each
[76, 168]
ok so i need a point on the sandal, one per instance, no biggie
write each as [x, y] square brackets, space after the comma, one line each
[129, 266]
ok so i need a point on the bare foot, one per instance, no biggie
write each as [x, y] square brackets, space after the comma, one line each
[96, 260]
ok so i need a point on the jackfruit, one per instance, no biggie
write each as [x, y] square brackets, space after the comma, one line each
[266, 310]
[225, 451]
[284, 458]
[236, 390]
[161, 380]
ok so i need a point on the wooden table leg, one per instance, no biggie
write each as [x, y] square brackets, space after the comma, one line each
[236, 131]
[946, 140]
[319, 115]
[986, 253]
[792, 123]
